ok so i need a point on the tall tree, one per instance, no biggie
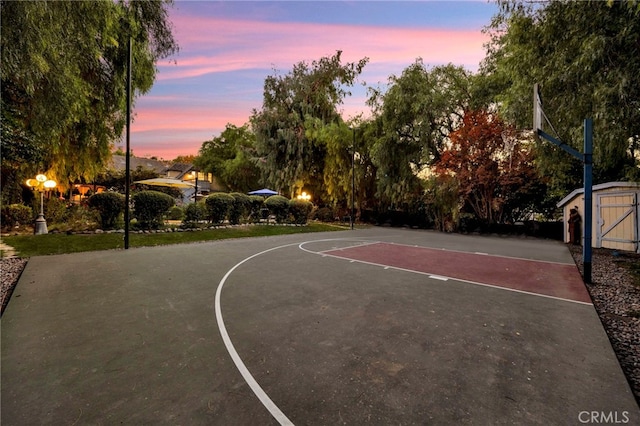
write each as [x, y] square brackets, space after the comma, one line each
[336, 138]
[289, 159]
[415, 116]
[347, 164]
[185, 159]
[442, 201]
[64, 77]
[230, 157]
[586, 57]
[491, 175]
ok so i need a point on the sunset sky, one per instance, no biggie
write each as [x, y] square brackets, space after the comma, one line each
[228, 48]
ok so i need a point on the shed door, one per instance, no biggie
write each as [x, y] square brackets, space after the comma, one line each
[617, 225]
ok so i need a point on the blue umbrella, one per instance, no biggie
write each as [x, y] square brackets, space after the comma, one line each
[264, 191]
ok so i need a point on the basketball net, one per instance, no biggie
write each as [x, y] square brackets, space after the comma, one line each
[509, 139]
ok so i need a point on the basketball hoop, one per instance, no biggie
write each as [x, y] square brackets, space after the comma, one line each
[587, 161]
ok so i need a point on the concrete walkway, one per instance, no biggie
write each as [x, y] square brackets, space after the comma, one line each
[285, 330]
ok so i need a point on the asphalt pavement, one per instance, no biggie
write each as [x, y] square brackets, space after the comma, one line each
[310, 329]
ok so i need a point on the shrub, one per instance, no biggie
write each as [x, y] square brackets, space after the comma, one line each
[256, 205]
[194, 213]
[16, 215]
[78, 218]
[109, 206]
[176, 213]
[239, 208]
[300, 211]
[325, 214]
[279, 207]
[218, 206]
[55, 210]
[149, 208]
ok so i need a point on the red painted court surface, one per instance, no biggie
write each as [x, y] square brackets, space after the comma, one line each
[545, 278]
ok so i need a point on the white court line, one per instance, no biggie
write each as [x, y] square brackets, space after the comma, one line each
[364, 243]
[323, 253]
[240, 365]
[244, 371]
[438, 277]
[480, 253]
[444, 278]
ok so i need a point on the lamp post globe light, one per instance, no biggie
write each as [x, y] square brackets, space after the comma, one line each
[41, 183]
[304, 196]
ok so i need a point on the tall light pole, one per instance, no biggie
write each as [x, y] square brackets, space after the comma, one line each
[41, 184]
[353, 178]
[127, 180]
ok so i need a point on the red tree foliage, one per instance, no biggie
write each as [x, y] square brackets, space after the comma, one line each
[490, 175]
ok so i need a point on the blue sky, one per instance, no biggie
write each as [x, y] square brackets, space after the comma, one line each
[228, 48]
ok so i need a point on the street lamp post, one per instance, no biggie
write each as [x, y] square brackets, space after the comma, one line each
[127, 176]
[41, 184]
[195, 194]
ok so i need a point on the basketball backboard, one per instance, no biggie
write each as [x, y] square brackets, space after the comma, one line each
[537, 109]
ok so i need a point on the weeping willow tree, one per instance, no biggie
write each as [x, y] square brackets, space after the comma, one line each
[414, 118]
[290, 156]
[63, 85]
[586, 58]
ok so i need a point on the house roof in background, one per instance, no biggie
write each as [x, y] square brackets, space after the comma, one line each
[118, 162]
[181, 168]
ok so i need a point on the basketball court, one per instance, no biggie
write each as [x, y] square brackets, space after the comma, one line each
[376, 326]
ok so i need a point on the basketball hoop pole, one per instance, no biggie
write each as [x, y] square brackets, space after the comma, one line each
[587, 161]
[560, 144]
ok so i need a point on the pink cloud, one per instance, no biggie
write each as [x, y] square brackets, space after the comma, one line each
[161, 118]
[168, 131]
[238, 44]
[199, 108]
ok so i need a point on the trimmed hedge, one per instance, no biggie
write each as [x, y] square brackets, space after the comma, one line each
[300, 210]
[256, 205]
[325, 214]
[109, 206]
[149, 208]
[279, 207]
[175, 213]
[16, 215]
[218, 206]
[194, 213]
[239, 209]
[55, 210]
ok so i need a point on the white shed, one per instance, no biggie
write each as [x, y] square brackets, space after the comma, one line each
[616, 217]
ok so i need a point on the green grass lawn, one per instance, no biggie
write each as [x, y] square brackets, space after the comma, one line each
[41, 245]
